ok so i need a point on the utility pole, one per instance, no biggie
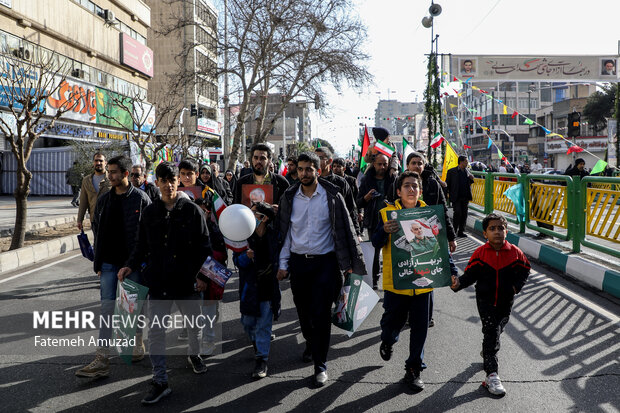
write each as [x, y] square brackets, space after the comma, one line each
[226, 135]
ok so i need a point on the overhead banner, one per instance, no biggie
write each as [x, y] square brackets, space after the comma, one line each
[533, 68]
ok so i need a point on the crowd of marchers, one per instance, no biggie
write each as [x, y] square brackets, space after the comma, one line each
[159, 234]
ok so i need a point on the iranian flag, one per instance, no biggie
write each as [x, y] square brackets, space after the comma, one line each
[218, 205]
[282, 170]
[407, 149]
[437, 140]
[384, 148]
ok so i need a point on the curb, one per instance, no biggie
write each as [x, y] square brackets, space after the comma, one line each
[12, 260]
[584, 270]
[7, 232]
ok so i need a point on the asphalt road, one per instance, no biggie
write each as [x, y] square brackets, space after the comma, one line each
[560, 352]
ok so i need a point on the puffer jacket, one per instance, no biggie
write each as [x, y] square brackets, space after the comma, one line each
[348, 250]
[498, 274]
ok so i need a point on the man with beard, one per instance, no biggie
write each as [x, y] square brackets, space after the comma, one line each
[261, 157]
[326, 157]
[319, 243]
[93, 186]
[373, 191]
[291, 168]
[115, 225]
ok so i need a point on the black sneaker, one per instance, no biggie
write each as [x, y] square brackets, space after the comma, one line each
[260, 369]
[431, 323]
[413, 380]
[385, 350]
[158, 390]
[197, 365]
[461, 235]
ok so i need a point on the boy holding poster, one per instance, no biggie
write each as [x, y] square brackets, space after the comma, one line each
[400, 303]
[499, 270]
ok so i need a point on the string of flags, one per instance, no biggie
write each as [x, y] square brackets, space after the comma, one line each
[571, 147]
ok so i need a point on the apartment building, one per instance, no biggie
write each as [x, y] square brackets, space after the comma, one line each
[104, 45]
[185, 63]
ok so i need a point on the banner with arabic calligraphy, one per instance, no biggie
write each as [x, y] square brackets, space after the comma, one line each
[534, 68]
[420, 248]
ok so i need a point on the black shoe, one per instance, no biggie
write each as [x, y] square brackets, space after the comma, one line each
[540, 235]
[156, 393]
[431, 323]
[461, 235]
[197, 364]
[375, 286]
[385, 350]
[320, 378]
[307, 356]
[413, 380]
[260, 369]
[273, 337]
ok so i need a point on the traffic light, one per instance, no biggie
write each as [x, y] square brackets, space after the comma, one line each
[192, 110]
[201, 113]
[574, 119]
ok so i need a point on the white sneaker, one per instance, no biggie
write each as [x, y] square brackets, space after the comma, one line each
[494, 385]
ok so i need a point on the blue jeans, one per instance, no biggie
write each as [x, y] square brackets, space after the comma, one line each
[210, 311]
[108, 282]
[259, 329]
[397, 308]
[157, 333]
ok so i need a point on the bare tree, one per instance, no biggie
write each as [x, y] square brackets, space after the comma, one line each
[291, 47]
[26, 88]
[151, 125]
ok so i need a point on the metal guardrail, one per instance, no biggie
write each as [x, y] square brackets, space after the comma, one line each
[572, 208]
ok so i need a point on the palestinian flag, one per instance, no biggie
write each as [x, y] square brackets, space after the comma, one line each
[365, 146]
[384, 148]
[437, 140]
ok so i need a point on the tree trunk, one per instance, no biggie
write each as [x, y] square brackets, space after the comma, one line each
[21, 207]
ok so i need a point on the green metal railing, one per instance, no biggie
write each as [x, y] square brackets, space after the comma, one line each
[574, 207]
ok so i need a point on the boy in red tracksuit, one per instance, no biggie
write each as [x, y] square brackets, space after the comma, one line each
[499, 270]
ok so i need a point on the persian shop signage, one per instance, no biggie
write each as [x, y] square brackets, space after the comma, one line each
[136, 55]
[592, 144]
[208, 125]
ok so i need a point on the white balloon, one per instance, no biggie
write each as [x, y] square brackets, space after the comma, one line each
[237, 222]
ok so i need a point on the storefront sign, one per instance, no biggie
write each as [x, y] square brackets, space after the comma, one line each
[136, 55]
[208, 125]
[589, 143]
[78, 96]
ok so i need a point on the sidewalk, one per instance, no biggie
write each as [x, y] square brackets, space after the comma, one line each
[598, 270]
[43, 211]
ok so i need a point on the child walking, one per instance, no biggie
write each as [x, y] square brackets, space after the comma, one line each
[258, 286]
[499, 270]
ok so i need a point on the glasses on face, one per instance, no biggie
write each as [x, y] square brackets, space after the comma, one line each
[410, 187]
[135, 175]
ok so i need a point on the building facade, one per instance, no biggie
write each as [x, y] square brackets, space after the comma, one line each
[397, 117]
[185, 66]
[103, 45]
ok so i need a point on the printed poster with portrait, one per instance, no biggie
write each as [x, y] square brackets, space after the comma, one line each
[130, 297]
[420, 254]
[256, 193]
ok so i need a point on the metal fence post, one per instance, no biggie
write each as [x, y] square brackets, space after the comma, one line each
[577, 215]
[525, 190]
[488, 193]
